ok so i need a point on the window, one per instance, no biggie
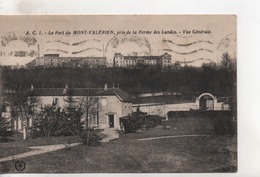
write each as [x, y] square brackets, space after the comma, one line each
[103, 103]
[93, 119]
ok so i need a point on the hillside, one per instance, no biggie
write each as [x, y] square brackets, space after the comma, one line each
[187, 80]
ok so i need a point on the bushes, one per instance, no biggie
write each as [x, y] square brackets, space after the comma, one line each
[223, 122]
[199, 113]
[51, 121]
[133, 123]
[90, 137]
[5, 131]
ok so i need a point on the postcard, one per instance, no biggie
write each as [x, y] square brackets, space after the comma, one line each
[118, 94]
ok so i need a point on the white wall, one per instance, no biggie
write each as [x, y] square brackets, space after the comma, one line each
[113, 104]
[163, 109]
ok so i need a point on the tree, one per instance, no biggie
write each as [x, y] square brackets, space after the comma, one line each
[27, 109]
[177, 65]
[92, 107]
[46, 122]
[227, 63]
[5, 126]
[55, 121]
[212, 65]
[70, 118]
[25, 103]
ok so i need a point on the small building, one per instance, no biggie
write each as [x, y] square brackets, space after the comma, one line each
[107, 104]
[115, 104]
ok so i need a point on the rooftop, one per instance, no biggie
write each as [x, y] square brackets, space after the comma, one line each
[65, 91]
[121, 95]
[71, 58]
[162, 99]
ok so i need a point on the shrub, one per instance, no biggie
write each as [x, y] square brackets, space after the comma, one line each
[90, 137]
[223, 122]
[133, 123]
[5, 131]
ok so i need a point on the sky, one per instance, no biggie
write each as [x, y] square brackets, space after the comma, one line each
[193, 39]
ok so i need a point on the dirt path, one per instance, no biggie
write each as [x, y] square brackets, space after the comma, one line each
[175, 136]
[38, 150]
[111, 134]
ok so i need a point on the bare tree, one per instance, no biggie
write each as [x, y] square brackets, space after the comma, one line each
[26, 105]
[91, 106]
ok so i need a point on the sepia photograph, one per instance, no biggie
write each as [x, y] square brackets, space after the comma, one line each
[118, 94]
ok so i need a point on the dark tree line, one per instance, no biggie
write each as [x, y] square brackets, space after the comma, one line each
[219, 80]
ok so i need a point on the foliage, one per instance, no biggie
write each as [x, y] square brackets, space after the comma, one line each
[5, 129]
[52, 121]
[46, 122]
[227, 63]
[90, 137]
[92, 107]
[23, 104]
[139, 121]
[216, 79]
[70, 123]
[224, 122]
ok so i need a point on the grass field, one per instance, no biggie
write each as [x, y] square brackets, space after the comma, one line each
[185, 154]
[20, 146]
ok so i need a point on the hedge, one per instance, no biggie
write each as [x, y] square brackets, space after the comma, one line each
[224, 122]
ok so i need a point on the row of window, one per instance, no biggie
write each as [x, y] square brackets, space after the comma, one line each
[103, 102]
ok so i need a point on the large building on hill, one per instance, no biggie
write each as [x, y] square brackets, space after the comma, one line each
[129, 61]
[54, 60]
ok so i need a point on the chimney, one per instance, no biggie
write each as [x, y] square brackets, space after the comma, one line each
[105, 88]
[31, 87]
